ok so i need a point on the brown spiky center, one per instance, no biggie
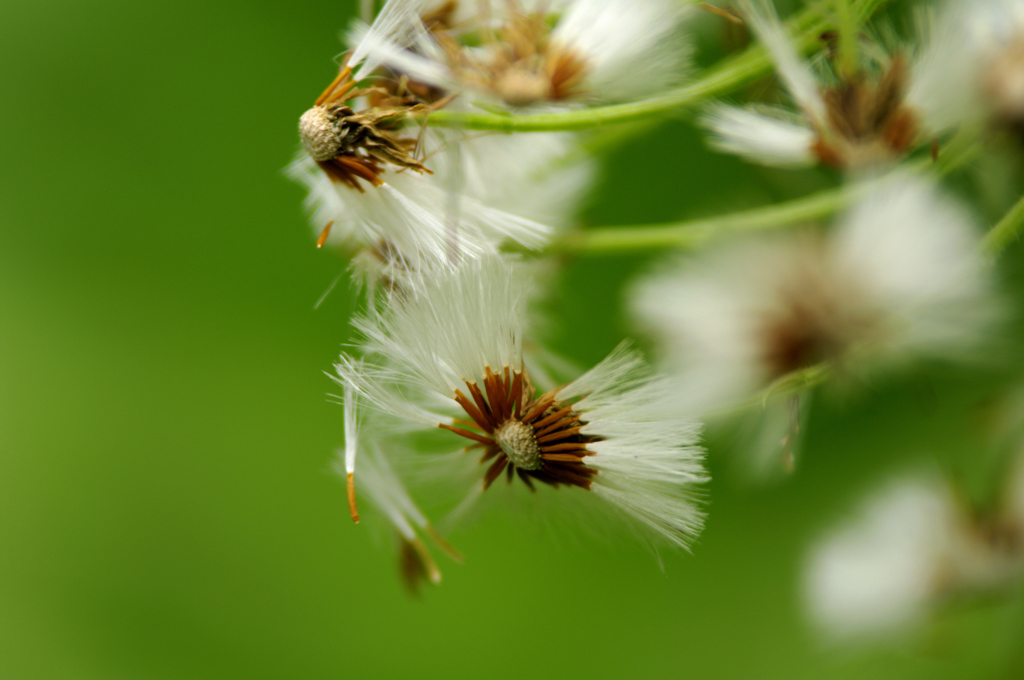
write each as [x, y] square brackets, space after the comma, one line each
[350, 145]
[805, 332]
[517, 442]
[536, 438]
[867, 122]
[523, 65]
[816, 316]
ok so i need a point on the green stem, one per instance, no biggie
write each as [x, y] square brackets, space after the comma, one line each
[1006, 231]
[730, 74]
[795, 382]
[848, 28]
[693, 233]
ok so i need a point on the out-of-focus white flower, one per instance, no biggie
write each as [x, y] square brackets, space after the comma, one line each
[520, 53]
[979, 61]
[882, 570]
[900, 278]
[913, 545]
[449, 355]
[860, 120]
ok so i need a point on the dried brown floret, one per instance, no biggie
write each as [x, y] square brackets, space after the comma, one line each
[535, 438]
[867, 122]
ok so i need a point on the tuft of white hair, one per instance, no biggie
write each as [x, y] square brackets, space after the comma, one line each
[540, 176]
[793, 71]
[457, 321]
[417, 217]
[763, 135]
[397, 26]
[648, 458]
[914, 254]
[632, 48]
[944, 75]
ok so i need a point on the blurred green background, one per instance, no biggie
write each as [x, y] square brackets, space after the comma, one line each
[166, 504]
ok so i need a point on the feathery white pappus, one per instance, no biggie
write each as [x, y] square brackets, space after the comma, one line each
[479, 197]
[378, 482]
[381, 185]
[537, 53]
[449, 355]
[980, 59]
[899, 278]
[846, 120]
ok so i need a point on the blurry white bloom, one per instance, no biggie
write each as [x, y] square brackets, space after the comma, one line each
[449, 356]
[899, 278]
[880, 571]
[521, 53]
[912, 546]
[540, 176]
[980, 61]
[859, 120]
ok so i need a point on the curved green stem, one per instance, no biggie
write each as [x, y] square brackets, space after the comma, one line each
[730, 74]
[1006, 231]
[793, 383]
[693, 233]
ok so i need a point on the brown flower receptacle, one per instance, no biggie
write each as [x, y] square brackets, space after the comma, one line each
[867, 123]
[536, 438]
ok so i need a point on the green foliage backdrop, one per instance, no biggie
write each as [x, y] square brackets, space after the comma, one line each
[166, 505]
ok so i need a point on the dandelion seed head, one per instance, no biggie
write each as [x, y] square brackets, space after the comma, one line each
[448, 355]
[538, 53]
[319, 134]
[892, 102]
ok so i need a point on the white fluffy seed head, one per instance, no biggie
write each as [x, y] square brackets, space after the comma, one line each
[627, 48]
[722, 319]
[320, 136]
